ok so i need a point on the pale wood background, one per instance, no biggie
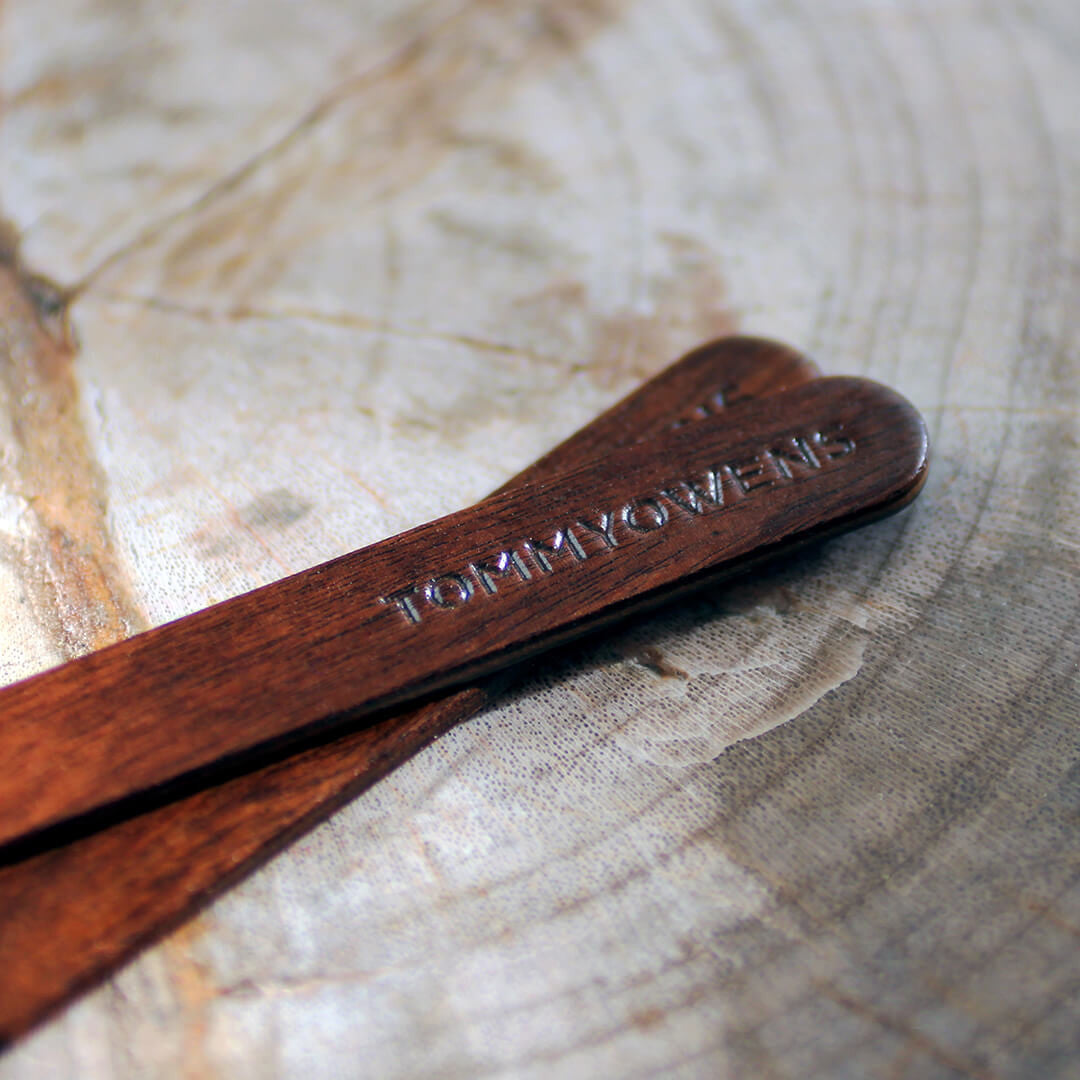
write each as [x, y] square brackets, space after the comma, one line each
[337, 267]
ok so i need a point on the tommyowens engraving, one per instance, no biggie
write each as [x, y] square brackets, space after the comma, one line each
[530, 558]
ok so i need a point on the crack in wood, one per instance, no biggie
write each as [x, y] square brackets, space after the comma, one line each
[430, 73]
[75, 582]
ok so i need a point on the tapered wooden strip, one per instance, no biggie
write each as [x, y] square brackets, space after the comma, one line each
[72, 914]
[454, 598]
[701, 384]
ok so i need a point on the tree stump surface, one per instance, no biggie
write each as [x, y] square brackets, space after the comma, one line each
[279, 280]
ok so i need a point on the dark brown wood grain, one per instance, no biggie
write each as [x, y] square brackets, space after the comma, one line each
[453, 599]
[73, 913]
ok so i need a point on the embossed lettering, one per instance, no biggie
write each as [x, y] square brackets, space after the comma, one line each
[563, 540]
[710, 407]
[502, 564]
[790, 459]
[793, 454]
[645, 515]
[833, 443]
[696, 495]
[750, 474]
[603, 530]
[439, 590]
[403, 599]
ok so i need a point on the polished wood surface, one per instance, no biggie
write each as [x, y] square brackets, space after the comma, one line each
[456, 598]
[71, 914]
